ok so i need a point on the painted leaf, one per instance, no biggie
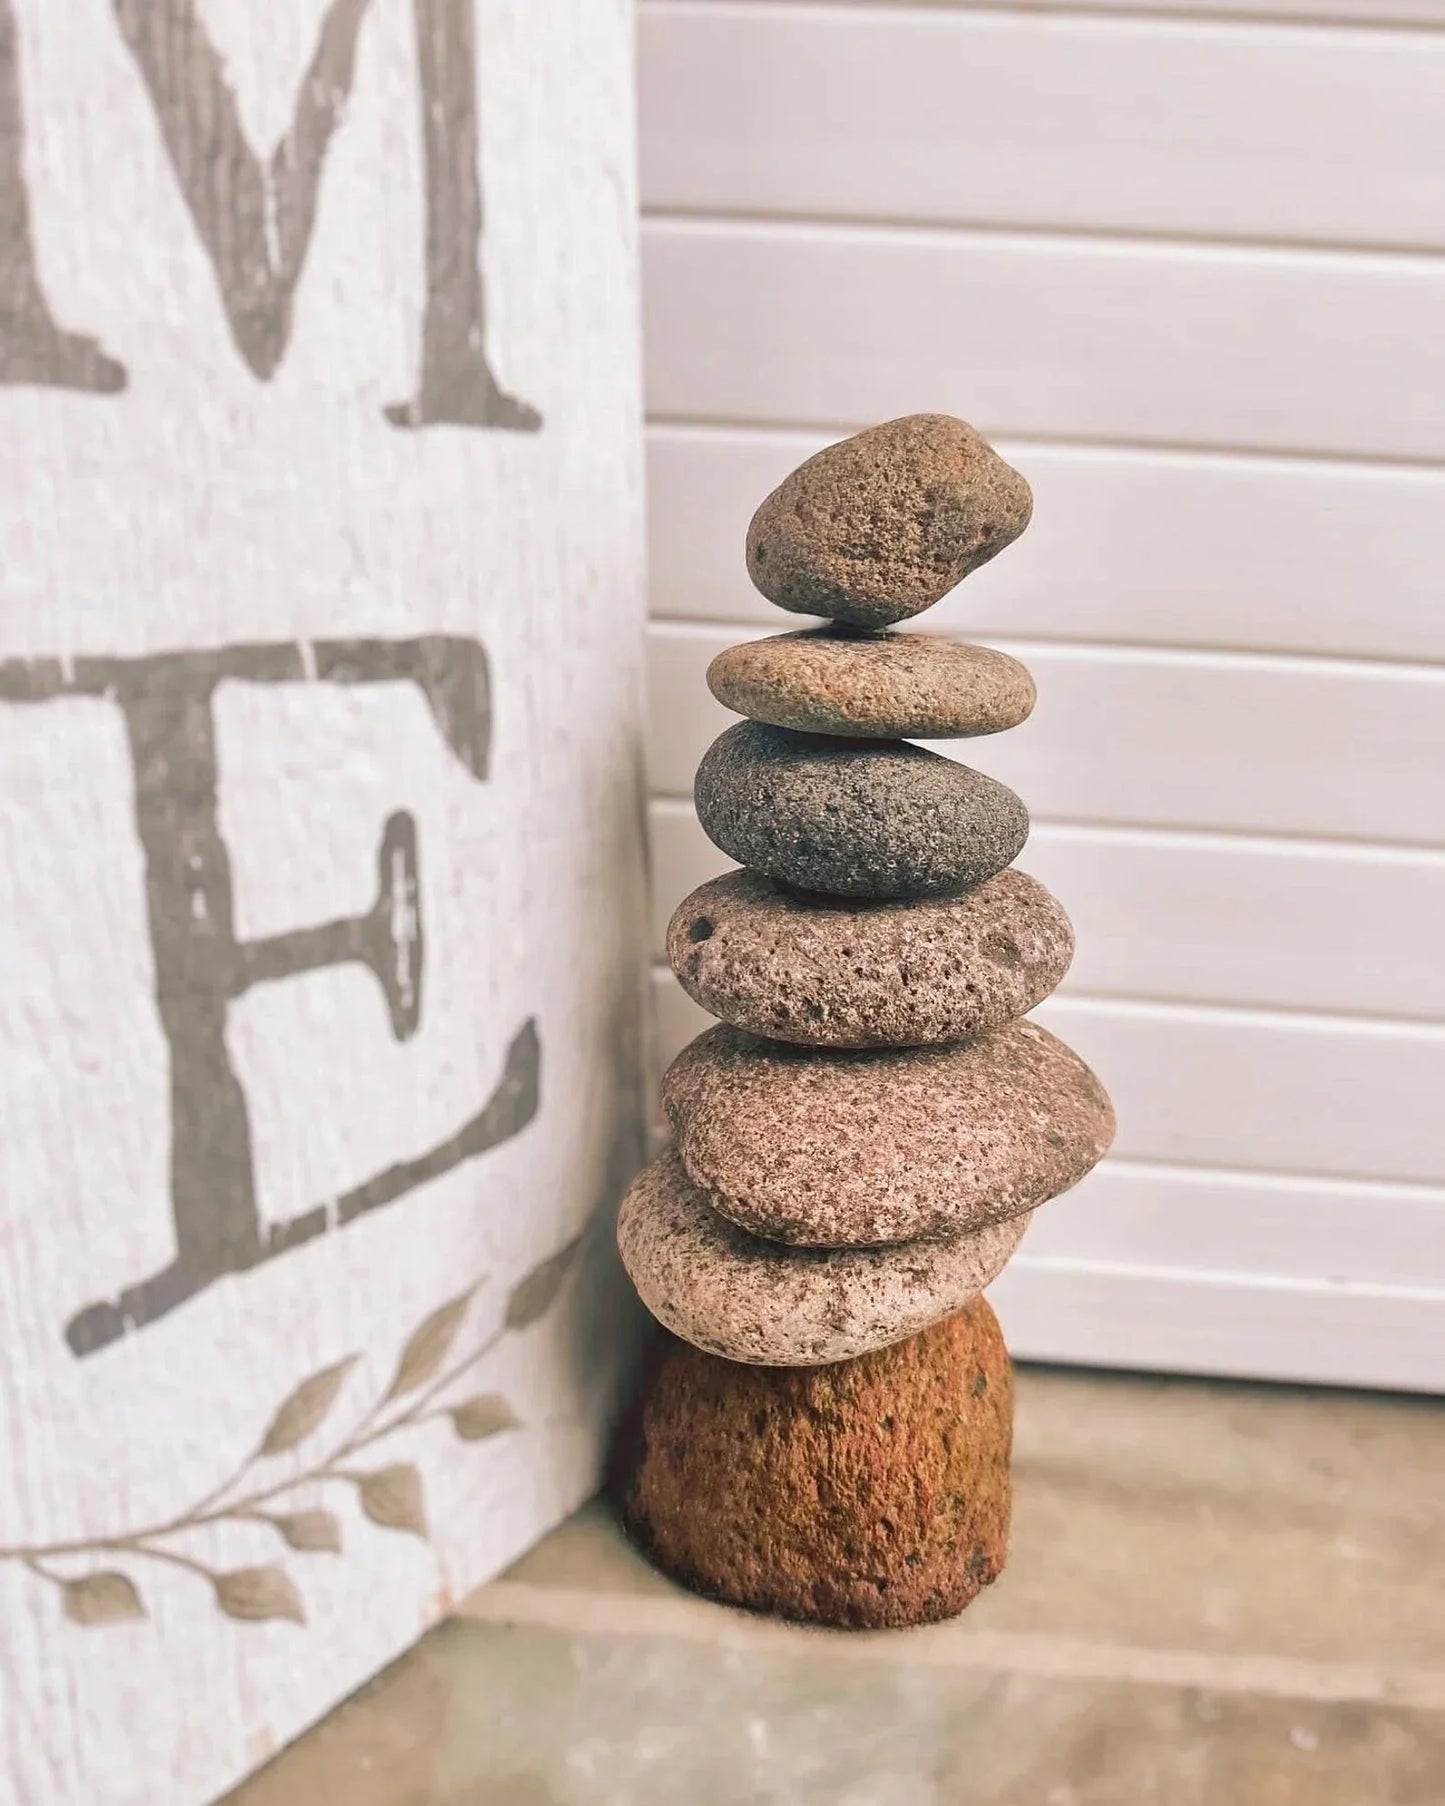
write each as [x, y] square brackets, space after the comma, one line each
[305, 1409]
[257, 1594]
[105, 1598]
[311, 1531]
[534, 1294]
[427, 1348]
[393, 1498]
[474, 1419]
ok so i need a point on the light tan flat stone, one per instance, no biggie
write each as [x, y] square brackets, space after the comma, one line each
[731, 1293]
[891, 686]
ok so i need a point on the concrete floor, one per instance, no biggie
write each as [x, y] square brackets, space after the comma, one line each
[1218, 1595]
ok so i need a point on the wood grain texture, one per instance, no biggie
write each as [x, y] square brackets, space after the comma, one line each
[1365, 14]
[1271, 745]
[320, 847]
[1212, 358]
[1075, 123]
[1163, 548]
[1182, 1322]
[1271, 350]
[1260, 1226]
[1176, 916]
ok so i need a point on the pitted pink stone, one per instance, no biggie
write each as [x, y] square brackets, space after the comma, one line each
[831, 1149]
[840, 972]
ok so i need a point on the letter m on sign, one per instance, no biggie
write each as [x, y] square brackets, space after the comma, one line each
[255, 216]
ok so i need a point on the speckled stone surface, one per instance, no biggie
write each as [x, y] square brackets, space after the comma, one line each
[878, 527]
[737, 1296]
[835, 1150]
[855, 818]
[864, 1494]
[888, 685]
[830, 972]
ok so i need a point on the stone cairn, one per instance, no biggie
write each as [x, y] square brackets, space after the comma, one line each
[859, 1144]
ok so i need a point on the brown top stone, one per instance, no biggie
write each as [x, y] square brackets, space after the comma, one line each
[833, 972]
[833, 1150]
[877, 527]
[743, 1298]
[893, 686]
[866, 1493]
[854, 818]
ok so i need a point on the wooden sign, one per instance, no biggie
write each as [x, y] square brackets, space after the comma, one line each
[320, 864]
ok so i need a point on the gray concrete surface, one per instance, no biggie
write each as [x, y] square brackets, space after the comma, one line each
[1218, 1595]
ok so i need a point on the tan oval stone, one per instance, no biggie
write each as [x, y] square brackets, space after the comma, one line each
[865, 1493]
[832, 972]
[875, 686]
[835, 1150]
[877, 527]
[747, 1299]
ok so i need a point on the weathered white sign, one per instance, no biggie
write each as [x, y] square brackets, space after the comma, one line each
[320, 865]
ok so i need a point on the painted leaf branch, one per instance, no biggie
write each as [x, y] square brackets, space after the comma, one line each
[536, 1292]
[392, 1496]
[306, 1409]
[104, 1597]
[474, 1419]
[429, 1346]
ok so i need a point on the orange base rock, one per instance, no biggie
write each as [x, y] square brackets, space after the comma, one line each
[867, 1493]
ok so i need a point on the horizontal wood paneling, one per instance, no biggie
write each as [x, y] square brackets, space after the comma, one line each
[1167, 548]
[1281, 1093]
[1365, 14]
[1067, 338]
[1173, 916]
[1202, 740]
[1232, 1088]
[1148, 251]
[1255, 1225]
[1184, 1322]
[1130, 125]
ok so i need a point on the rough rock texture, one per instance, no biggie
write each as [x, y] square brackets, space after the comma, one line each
[732, 1293]
[854, 818]
[889, 686]
[865, 1494]
[831, 972]
[878, 527]
[835, 1150]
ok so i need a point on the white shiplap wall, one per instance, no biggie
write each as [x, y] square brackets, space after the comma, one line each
[1187, 267]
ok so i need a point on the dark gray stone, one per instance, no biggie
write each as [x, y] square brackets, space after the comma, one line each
[855, 818]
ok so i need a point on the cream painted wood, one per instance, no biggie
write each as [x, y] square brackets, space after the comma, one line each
[1194, 918]
[397, 913]
[1229, 591]
[1268, 350]
[1200, 1322]
[1270, 745]
[1279, 1093]
[1368, 15]
[1165, 548]
[1262, 1226]
[1070, 122]
[1275, 1093]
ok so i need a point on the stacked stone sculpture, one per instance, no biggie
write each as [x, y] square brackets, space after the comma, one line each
[859, 1144]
